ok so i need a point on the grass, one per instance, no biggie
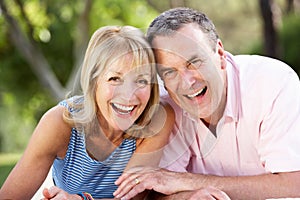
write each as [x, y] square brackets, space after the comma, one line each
[7, 162]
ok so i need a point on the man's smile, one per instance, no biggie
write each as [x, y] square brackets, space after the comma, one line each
[200, 92]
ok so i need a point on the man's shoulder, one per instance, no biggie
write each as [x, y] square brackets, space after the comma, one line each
[261, 64]
[166, 98]
[262, 70]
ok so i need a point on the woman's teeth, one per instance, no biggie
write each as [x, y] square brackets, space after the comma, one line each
[123, 109]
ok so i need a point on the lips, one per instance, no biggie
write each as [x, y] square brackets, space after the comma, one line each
[122, 109]
[200, 92]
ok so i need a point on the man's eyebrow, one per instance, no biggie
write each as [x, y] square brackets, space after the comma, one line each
[163, 69]
[192, 58]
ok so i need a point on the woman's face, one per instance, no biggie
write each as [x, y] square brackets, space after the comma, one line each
[123, 92]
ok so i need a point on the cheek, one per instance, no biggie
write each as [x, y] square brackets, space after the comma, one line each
[172, 86]
[103, 95]
[105, 91]
[144, 94]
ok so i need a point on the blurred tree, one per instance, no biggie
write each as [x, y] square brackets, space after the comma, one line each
[42, 43]
[30, 50]
[290, 6]
[49, 38]
[269, 28]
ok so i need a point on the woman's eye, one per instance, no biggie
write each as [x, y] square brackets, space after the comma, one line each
[143, 82]
[114, 79]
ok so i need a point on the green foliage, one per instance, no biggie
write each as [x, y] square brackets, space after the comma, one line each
[289, 39]
[289, 42]
[5, 170]
[18, 122]
[7, 162]
[121, 12]
[52, 25]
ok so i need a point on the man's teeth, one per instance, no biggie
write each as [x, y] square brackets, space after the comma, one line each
[123, 108]
[195, 94]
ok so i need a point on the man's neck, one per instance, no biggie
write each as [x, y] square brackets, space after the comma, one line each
[212, 121]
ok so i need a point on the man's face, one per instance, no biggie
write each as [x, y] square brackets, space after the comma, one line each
[193, 73]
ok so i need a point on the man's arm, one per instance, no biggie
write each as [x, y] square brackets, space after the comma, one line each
[205, 193]
[279, 185]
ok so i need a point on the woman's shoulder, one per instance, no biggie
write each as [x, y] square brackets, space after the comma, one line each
[73, 104]
[160, 127]
[55, 118]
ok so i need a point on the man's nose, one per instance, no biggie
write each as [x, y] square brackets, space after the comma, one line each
[188, 78]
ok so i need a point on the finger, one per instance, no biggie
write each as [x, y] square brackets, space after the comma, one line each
[218, 194]
[130, 172]
[46, 193]
[123, 177]
[221, 196]
[127, 185]
[137, 189]
[202, 197]
[128, 182]
[202, 194]
[53, 191]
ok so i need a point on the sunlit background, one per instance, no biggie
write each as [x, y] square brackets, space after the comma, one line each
[42, 43]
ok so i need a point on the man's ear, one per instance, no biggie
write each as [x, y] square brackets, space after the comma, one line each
[221, 53]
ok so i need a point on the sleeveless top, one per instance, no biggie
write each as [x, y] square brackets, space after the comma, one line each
[78, 172]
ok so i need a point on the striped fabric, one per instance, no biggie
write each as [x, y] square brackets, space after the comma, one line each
[78, 172]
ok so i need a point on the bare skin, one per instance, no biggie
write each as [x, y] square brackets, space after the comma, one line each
[184, 76]
[50, 140]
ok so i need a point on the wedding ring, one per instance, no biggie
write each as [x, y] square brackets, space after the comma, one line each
[137, 181]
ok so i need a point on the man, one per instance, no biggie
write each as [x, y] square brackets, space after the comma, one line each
[237, 117]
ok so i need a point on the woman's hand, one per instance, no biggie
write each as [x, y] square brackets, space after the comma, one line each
[55, 193]
[139, 179]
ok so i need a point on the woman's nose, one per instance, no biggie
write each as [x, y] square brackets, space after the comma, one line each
[127, 90]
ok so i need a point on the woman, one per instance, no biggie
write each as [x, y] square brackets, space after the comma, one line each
[115, 124]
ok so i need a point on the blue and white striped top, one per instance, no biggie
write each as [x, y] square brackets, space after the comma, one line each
[78, 172]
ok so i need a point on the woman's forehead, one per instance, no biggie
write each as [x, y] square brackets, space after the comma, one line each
[127, 62]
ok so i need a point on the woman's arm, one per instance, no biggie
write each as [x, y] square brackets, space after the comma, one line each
[49, 140]
[150, 149]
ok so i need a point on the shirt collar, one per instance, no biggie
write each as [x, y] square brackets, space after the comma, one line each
[233, 107]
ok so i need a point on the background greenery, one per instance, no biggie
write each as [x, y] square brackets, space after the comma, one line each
[54, 29]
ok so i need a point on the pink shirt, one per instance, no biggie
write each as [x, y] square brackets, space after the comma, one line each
[259, 131]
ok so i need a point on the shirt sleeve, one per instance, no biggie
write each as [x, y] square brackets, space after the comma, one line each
[279, 144]
[176, 154]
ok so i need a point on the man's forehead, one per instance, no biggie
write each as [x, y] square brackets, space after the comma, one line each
[169, 57]
[172, 42]
[182, 44]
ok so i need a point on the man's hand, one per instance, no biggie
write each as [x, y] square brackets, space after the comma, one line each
[206, 194]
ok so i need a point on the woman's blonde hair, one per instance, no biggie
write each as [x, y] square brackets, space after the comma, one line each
[107, 45]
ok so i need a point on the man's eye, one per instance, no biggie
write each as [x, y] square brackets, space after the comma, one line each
[169, 74]
[195, 64]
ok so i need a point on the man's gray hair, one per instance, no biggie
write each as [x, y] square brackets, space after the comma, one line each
[168, 22]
